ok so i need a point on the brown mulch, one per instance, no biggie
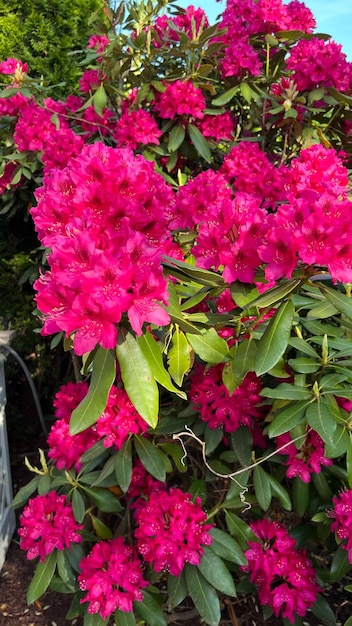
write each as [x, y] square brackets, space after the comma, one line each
[52, 608]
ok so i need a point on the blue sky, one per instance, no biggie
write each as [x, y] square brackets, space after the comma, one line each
[333, 17]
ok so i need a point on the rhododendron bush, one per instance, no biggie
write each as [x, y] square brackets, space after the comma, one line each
[193, 201]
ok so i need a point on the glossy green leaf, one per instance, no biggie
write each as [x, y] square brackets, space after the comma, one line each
[176, 137]
[304, 365]
[262, 488]
[177, 590]
[340, 565]
[303, 346]
[225, 97]
[242, 443]
[216, 573]
[198, 489]
[42, 578]
[338, 299]
[274, 341]
[322, 487]
[174, 450]
[280, 493]
[199, 142]
[322, 311]
[64, 569]
[300, 496]
[78, 506]
[104, 499]
[323, 611]
[94, 619]
[245, 357]
[94, 403]
[320, 419]
[198, 275]
[227, 547]
[22, 496]
[209, 346]
[122, 618]
[153, 354]
[123, 465]
[151, 457]
[288, 418]
[101, 530]
[274, 295]
[179, 357]
[285, 391]
[137, 378]
[239, 529]
[100, 100]
[150, 610]
[204, 596]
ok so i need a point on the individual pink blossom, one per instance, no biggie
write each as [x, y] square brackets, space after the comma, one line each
[94, 124]
[285, 576]
[119, 419]
[11, 66]
[46, 524]
[180, 98]
[142, 485]
[217, 127]
[135, 129]
[112, 576]
[341, 513]
[91, 80]
[215, 404]
[297, 16]
[319, 63]
[60, 147]
[304, 459]
[240, 60]
[191, 22]
[171, 530]
[7, 177]
[33, 128]
[98, 42]
[68, 398]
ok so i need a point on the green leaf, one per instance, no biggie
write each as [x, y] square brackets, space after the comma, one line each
[64, 569]
[243, 293]
[285, 391]
[153, 354]
[204, 596]
[225, 97]
[320, 419]
[179, 357]
[261, 488]
[209, 346]
[137, 378]
[101, 530]
[280, 493]
[124, 619]
[274, 295]
[274, 341]
[322, 487]
[196, 274]
[123, 465]
[151, 457]
[288, 418]
[42, 578]
[216, 573]
[94, 619]
[24, 493]
[241, 443]
[304, 365]
[150, 611]
[176, 137]
[303, 346]
[94, 403]
[174, 450]
[323, 611]
[100, 100]
[245, 358]
[177, 590]
[300, 496]
[322, 311]
[338, 299]
[225, 546]
[340, 565]
[78, 506]
[104, 499]
[239, 529]
[199, 142]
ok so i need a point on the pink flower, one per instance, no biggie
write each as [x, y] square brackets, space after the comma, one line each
[47, 523]
[91, 80]
[319, 63]
[136, 128]
[305, 460]
[119, 419]
[217, 127]
[11, 66]
[180, 98]
[98, 42]
[112, 576]
[240, 60]
[342, 516]
[285, 576]
[171, 530]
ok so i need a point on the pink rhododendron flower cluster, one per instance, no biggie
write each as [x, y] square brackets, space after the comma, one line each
[215, 404]
[119, 419]
[135, 129]
[284, 575]
[305, 458]
[342, 516]
[142, 485]
[171, 530]
[46, 524]
[10, 66]
[112, 576]
[217, 127]
[190, 23]
[102, 218]
[91, 80]
[98, 42]
[180, 98]
[318, 63]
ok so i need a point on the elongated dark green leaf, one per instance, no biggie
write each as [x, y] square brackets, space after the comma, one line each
[285, 391]
[304, 365]
[338, 299]
[274, 341]
[64, 569]
[179, 357]
[242, 443]
[322, 310]
[177, 590]
[245, 358]
[303, 346]
[24, 493]
[124, 619]
[323, 611]
[94, 403]
[239, 529]
[225, 97]
[150, 611]
[300, 496]
[151, 457]
[225, 546]
[137, 378]
[101, 530]
[288, 418]
[195, 273]
[274, 295]
[319, 417]
[341, 443]
[100, 100]
[216, 573]
[78, 506]
[199, 142]
[340, 565]
[203, 595]
[280, 493]
[94, 619]
[42, 578]
[176, 137]
[123, 465]
[153, 354]
[261, 488]
[322, 487]
[105, 500]
[209, 346]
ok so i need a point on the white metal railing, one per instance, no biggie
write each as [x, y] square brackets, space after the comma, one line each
[7, 515]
